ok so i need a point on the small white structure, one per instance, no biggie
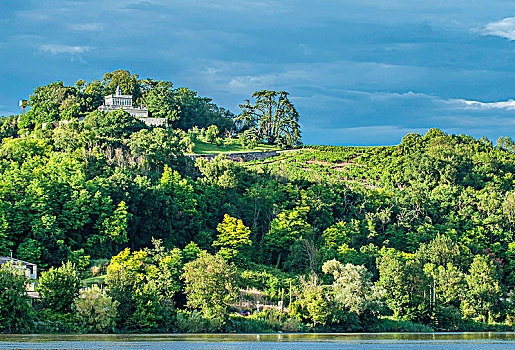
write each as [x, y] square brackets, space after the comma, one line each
[23, 105]
[124, 102]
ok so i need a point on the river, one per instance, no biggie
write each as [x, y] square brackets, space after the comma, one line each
[362, 341]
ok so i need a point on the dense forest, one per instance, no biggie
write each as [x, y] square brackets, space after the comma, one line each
[132, 235]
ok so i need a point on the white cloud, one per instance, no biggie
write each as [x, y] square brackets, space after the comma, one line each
[56, 49]
[86, 27]
[479, 122]
[507, 105]
[247, 82]
[504, 28]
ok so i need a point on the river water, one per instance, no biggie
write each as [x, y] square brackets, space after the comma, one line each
[362, 341]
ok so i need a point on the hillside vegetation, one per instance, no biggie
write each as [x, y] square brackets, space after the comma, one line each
[229, 146]
[417, 236]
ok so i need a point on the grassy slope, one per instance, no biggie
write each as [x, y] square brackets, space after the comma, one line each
[229, 146]
[99, 280]
[345, 164]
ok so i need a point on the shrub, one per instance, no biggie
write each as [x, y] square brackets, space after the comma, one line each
[345, 321]
[210, 284]
[95, 310]
[448, 318]
[292, 325]
[388, 324]
[194, 322]
[15, 315]
[211, 133]
[268, 320]
[270, 282]
[59, 287]
[49, 321]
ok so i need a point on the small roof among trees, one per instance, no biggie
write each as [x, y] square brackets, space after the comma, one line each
[5, 259]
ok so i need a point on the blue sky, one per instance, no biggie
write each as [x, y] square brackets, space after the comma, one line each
[360, 72]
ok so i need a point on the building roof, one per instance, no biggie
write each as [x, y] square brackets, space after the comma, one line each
[5, 259]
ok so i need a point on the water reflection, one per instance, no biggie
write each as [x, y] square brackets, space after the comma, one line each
[367, 341]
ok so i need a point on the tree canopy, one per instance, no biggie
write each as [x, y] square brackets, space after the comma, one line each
[420, 233]
[273, 116]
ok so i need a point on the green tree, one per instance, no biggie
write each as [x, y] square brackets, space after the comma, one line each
[128, 82]
[449, 282]
[191, 252]
[337, 234]
[506, 143]
[52, 102]
[273, 116]
[312, 304]
[199, 111]
[166, 270]
[69, 137]
[15, 312]
[484, 289]
[155, 148]
[219, 172]
[353, 287]
[113, 125]
[115, 227]
[287, 228]
[210, 284]
[211, 133]
[9, 126]
[95, 309]
[249, 138]
[93, 95]
[403, 281]
[442, 250]
[179, 215]
[233, 236]
[159, 98]
[509, 267]
[144, 284]
[124, 274]
[58, 287]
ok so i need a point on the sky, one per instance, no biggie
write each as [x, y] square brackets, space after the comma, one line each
[359, 72]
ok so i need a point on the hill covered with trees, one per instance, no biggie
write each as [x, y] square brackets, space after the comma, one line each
[416, 236]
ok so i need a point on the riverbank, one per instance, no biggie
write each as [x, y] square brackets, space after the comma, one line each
[263, 322]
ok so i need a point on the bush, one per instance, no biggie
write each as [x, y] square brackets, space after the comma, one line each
[210, 284]
[292, 325]
[48, 321]
[388, 324]
[59, 287]
[266, 279]
[212, 133]
[194, 322]
[345, 321]
[448, 318]
[15, 313]
[268, 320]
[95, 310]
[239, 324]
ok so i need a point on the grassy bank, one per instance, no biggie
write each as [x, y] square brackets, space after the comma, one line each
[228, 146]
